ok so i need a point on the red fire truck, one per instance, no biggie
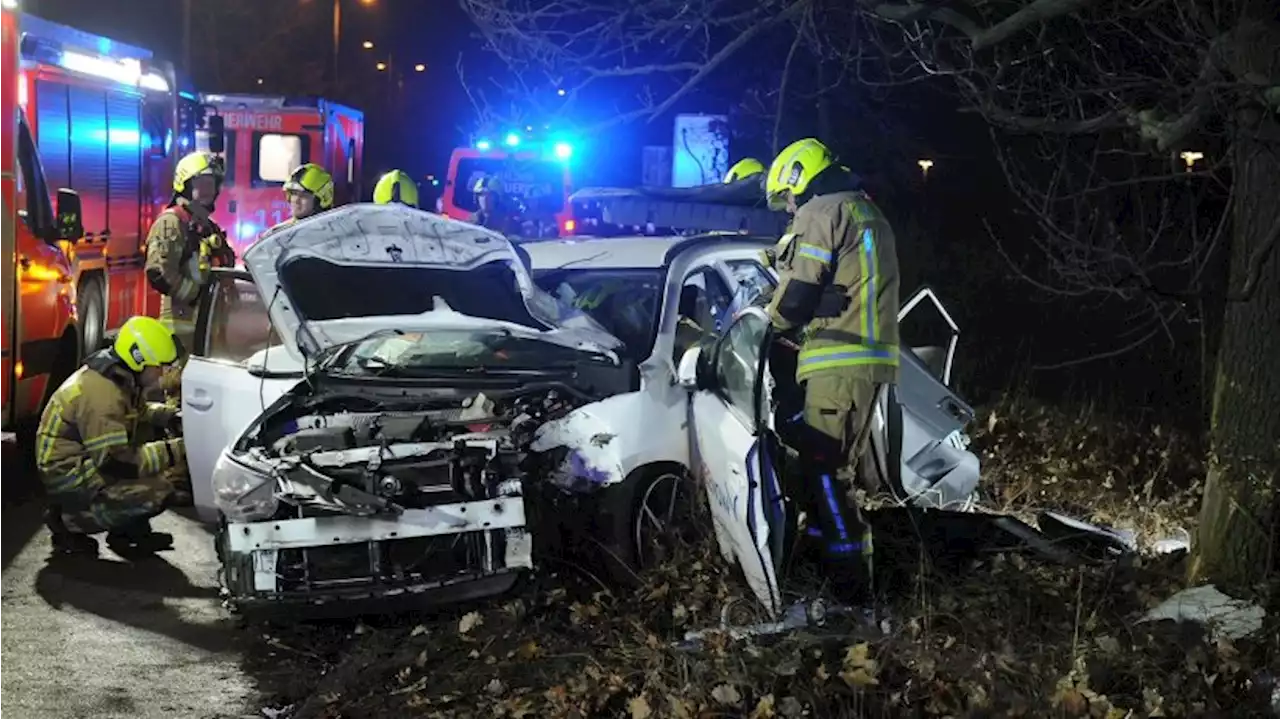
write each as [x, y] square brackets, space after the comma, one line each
[40, 340]
[536, 181]
[266, 139]
[110, 124]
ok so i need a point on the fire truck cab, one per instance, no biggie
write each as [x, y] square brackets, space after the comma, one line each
[109, 122]
[41, 343]
[267, 138]
[535, 183]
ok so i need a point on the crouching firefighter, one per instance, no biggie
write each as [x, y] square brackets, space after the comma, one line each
[184, 243]
[396, 187]
[838, 295]
[98, 475]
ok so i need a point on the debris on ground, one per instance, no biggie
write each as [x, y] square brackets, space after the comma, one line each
[982, 634]
[1226, 618]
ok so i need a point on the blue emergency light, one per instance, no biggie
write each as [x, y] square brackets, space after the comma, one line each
[483, 145]
[563, 150]
[513, 139]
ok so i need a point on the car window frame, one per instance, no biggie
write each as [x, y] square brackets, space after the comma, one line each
[747, 415]
[204, 318]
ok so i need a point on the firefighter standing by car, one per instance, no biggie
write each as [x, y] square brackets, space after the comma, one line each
[98, 469]
[309, 191]
[396, 186]
[838, 294]
[184, 243]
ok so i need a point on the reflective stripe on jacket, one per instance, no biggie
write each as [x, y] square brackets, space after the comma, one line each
[838, 279]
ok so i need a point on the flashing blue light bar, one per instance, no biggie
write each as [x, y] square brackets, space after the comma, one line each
[512, 139]
[483, 145]
[563, 150]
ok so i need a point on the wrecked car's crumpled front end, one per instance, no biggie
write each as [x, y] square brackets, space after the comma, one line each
[397, 468]
[421, 497]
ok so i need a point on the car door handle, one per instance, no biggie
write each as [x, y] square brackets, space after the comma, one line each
[200, 400]
[953, 408]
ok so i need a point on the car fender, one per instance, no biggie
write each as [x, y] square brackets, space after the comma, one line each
[602, 443]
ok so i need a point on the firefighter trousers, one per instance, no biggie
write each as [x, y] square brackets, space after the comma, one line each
[837, 414]
[109, 505]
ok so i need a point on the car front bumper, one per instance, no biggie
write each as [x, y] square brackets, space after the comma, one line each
[278, 562]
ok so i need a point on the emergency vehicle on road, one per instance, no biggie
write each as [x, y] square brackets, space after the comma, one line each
[110, 124]
[41, 343]
[266, 139]
[536, 181]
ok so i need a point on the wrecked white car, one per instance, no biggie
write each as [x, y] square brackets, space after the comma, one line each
[360, 406]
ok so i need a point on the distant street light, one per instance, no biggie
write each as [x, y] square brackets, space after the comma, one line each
[560, 92]
[1191, 157]
[259, 81]
[924, 166]
[419, 68]
[382, 66]
[367, 44]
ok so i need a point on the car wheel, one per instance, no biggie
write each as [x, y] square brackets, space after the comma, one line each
[649, 517]
[91, 306]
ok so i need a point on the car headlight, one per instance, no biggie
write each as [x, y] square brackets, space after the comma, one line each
[242, 493]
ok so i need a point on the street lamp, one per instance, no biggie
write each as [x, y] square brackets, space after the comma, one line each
[419, 68]
[1191, 157]
[382, 66]
[924, 166]
[367, 44]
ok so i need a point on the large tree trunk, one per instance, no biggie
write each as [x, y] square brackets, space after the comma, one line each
[1236, 540]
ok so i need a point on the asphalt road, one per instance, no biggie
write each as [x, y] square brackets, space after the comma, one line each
[110, 638]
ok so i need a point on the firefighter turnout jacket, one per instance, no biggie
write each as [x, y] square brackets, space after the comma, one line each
[182, 245]
[87, 451]
[838, 286]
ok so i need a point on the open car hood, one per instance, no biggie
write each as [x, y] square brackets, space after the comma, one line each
[340, 275]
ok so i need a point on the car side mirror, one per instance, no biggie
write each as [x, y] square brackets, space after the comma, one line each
[70, 223]
[217, 138]
[687, 373]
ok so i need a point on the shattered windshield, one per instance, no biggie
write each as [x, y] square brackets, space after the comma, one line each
[626, 302]
[477, 350]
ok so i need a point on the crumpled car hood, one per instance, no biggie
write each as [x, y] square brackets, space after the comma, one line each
[417, 248]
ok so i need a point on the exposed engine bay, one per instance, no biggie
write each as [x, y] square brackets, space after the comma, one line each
[373, 495]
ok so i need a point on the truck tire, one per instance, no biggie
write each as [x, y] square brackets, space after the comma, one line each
[91, 305]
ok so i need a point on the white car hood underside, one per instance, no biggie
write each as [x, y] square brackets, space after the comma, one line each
[369, 235]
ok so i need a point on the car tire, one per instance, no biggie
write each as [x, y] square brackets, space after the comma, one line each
[648, 511]
[91, 305]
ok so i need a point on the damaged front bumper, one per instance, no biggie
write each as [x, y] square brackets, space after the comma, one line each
[439, 554]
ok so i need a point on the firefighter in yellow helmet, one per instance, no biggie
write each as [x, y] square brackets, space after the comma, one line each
[98, 473]
[396, 186]
[742, 169]
[838, 296]
[309, 190]
[184, 242]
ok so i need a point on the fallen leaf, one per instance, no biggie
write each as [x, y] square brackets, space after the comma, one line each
[790, 707]
[470, 621]
[495, 687]
[764, 708]
[859, 669]
[639, 707]
[418, 630]
[529, 650]
[726, 694]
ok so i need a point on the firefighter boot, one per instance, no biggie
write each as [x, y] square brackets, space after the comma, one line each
[66, 542]
[138, 538]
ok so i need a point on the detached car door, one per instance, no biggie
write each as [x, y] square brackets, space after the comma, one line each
[227, 382]
[919, 447]
[732, 453]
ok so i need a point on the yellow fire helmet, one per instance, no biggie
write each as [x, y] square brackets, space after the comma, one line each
[746, 167]
[314, 179]
[145, 342]
[794, 168]
[396, 186]
[196, 164]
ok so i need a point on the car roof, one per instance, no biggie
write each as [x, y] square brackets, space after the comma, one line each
[630, 252]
